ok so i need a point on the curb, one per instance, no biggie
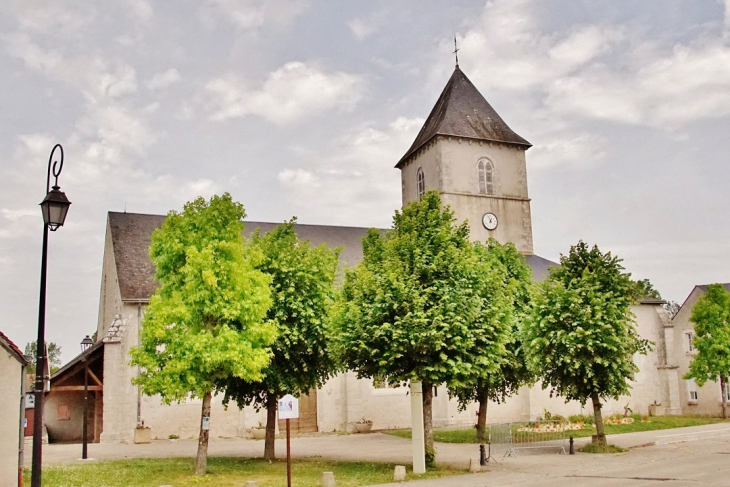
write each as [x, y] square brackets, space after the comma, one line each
[700, 435]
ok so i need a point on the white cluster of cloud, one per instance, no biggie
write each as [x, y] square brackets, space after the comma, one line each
[142, 9]
[598, 71]
[248, 14]
[364, 27]
[295, 91]
[591, 72]
[352, 181]
[164, 79]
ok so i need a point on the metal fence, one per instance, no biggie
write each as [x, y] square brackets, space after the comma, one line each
[506, 438]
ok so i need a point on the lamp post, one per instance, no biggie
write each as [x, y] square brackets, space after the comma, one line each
[86, 343]
[54, 208]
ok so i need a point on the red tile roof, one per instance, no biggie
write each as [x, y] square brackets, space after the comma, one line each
[13, 347]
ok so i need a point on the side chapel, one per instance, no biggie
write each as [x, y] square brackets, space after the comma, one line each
[477, 163]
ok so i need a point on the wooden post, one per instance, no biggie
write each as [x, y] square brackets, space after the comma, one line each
[419, 448]
[84, 431]
[288, 454]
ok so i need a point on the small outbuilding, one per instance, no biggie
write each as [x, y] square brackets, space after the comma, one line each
[12, 412]
[63, 408]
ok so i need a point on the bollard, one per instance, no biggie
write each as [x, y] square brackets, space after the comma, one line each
[474, 465]
[400, 473]
[328, 479]
[482, 455]
[572, 449]
[251, 483]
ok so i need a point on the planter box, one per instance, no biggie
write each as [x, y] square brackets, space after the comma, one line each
[258, 433]
[143, 435]
[363, 427]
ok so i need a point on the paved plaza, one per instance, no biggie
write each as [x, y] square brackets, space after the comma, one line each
[696, 456]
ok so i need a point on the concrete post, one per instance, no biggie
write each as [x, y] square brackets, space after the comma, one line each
[328, 479]
[251, 483]
[419, 448]
[399, 475]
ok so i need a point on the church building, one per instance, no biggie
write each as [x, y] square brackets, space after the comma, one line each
[477, 163]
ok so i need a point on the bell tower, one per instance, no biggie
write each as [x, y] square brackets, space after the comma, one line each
[469, 155]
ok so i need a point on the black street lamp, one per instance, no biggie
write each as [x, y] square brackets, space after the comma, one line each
[86, 344]
[54, 207]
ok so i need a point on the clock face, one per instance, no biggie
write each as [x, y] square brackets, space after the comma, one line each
[489, 220]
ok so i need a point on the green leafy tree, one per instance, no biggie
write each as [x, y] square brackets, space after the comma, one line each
[515, 287]
[711, 316]
[54, 356]
[302, 292]
[206, 320]
[672, 308]
[645, 289]
[580, 337]
[414, 310]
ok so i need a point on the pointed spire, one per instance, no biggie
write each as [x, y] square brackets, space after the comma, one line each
[462, 111]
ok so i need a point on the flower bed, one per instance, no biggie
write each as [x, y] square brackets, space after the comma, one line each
[552, 427]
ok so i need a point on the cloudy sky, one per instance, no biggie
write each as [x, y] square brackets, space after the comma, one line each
[302, 107]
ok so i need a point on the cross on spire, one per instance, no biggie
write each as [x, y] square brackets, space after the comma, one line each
[456, 52]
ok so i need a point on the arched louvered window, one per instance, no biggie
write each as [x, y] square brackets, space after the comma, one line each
[421, 180]
[485, 172]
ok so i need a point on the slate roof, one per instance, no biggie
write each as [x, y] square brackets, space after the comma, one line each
[463, 112]
[12, 348]
[131, 235]
[539, 266]
[704, 286]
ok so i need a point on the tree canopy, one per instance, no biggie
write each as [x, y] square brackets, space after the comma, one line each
[206, 320]
[418, 307]
[580, 337]
[54, 356]
[711, 316]
[509, 303]
[302, 290]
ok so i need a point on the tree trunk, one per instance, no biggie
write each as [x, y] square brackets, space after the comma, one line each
[201, 460]
[723, 381]
[482, 415]
[600, 436]
[428, 424]
[271, 405]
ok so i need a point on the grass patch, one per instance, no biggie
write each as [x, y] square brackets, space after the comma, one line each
[469, 435]
[222, 471]
[593, 448]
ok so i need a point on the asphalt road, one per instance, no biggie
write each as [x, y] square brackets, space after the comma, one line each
[696, 456]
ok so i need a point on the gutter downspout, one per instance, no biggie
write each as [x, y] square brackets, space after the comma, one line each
[21, 445]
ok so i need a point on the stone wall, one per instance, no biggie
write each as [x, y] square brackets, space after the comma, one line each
[120, 396]
[63, 416]
[110, 298]
[11, 380]
[450, 166]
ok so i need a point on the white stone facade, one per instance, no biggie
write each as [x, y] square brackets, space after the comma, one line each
[706, 400]
[449, 165]
[12, 412]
